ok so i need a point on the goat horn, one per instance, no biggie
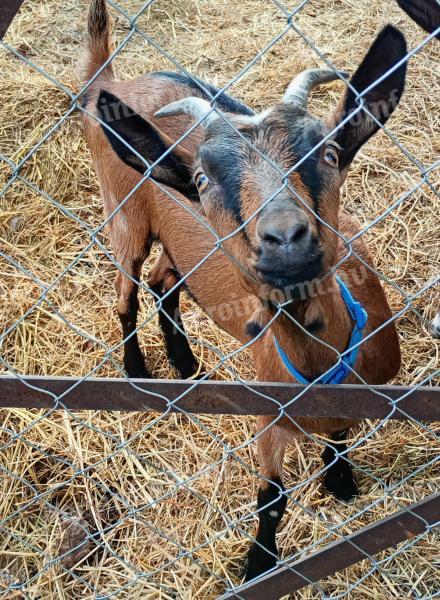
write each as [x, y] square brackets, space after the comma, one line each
[300, 87]
[193, 106]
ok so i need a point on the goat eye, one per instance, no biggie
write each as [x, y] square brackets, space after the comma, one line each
[331, 156]
[201, 182]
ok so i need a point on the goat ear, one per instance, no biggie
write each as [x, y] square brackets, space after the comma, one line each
[425, 13]
[381, 100]
[148, 141]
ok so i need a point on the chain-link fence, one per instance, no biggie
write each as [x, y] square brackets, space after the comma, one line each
[99, 500]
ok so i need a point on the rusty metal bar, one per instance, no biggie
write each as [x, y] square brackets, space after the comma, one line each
[8, 10]
[215, 397]
[369, 540]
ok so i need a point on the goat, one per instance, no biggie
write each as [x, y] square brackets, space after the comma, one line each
[280, 244]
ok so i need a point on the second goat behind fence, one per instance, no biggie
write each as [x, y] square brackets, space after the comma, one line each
[270, 184]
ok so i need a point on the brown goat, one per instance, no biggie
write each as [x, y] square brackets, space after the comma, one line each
[287, 234]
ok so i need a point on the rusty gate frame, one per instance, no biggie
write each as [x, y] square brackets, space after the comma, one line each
[256, 398]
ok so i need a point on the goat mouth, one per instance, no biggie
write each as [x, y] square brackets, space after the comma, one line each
[293, 283]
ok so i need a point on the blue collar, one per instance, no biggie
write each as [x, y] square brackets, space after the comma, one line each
[340, 371]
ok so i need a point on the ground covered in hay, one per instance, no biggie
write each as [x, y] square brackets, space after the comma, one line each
[119, 474]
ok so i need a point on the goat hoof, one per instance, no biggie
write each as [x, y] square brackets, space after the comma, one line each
[341, 484]
[259, 562]
[138, 372]
[187, 369]
[183, 360]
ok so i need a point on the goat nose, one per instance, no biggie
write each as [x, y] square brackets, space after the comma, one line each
[283, 236]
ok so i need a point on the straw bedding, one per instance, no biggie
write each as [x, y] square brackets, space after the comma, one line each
[115, 492]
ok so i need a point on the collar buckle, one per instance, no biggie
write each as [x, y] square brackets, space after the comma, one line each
[360, 315]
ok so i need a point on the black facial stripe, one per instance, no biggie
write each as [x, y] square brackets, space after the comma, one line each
[303, 136]
[222, 164]
[224, 101]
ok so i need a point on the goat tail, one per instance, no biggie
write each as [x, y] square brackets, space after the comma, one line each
[99, 44]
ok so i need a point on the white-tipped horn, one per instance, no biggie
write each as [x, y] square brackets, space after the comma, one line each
[299, 88]
[193, 106]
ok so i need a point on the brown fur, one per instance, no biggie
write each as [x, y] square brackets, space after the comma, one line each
[186, 242]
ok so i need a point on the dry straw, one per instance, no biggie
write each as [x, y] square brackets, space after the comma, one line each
[213, 40]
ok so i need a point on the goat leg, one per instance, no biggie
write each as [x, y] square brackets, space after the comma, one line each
[163, 278]
[338, 478]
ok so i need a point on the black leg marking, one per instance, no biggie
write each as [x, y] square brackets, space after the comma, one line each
[178, 349]
[263, 553]
[133, 360]
[338, 478]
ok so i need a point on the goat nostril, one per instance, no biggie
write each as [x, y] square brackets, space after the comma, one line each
[298, 233]
[284, 237]
[272, 238]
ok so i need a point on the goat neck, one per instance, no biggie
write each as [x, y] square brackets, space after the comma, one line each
[305, 328]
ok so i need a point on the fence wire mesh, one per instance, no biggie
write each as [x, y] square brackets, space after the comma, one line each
[148, 505]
